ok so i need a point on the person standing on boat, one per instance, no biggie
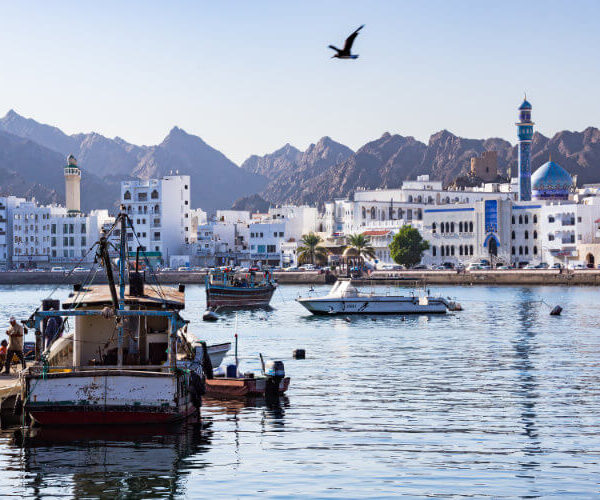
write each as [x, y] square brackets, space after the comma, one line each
[15, 344]
[51, 330]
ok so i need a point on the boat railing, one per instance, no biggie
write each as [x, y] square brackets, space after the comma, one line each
[42, 370]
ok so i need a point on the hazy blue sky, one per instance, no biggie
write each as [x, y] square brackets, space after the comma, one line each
[250, 76]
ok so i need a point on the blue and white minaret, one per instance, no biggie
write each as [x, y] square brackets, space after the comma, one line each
[525, 133]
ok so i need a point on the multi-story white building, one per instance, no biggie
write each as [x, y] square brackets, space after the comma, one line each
[7, 206]
[160, 212]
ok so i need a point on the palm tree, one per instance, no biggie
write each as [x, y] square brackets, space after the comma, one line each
[360, 245]
[310, 251]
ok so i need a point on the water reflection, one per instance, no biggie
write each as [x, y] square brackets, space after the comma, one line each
[525, 347]
[105, 461]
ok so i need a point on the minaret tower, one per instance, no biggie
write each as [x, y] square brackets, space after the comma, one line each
[525, 133]
[72, 182]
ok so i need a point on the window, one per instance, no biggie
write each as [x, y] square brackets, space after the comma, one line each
[470, 227]
[142, 196]
[281, 234]
[154, 195]
[534, 250]
[433, 229]
[513, 219]
[275, 234]
[452, 227]
[460, 228]
[83, 228]
[550, 237]
[71, 241]
[447, 227]
[535, 219]
[53, 241]
[127, 195]
[550, 218]
[83, 241]
[471, 249]
[526, 235]
[513, 250]
[460, 250]
[364, 213]
[156, 236]
[372, 212]
[433, 250]
[452, 249]
[520, 250]
[442, 228]
[261, 235]
[442, 250]
[526, 250]
[535, 235]
[520, 219]
[66, 241]
[185, 187]
[578, 219]
[513, 235]
[53, 230]
[271, 248]
[526, 219]
[65, 228]
[186, 202]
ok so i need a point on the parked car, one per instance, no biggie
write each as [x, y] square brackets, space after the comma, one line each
[58, 269]
[503, 267]
[542, 265]
[80, 270]
[184, 269]
[557, 265]
[530, 266]
[474, 266]
[420, 267]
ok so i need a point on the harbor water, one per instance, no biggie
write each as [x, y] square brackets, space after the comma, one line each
[499, 400]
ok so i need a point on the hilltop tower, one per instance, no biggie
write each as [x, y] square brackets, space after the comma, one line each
[72, 186]
[525, 134]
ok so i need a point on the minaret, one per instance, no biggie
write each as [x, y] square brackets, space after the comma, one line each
[525, 133]
[72, 182]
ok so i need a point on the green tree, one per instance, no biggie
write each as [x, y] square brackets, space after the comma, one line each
[360, 245]
[310, 252]
[408, 246]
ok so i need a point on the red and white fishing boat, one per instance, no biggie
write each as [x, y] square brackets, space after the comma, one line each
[130, 359]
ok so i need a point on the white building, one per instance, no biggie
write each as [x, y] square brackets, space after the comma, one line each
[7, 206]
[160, 212]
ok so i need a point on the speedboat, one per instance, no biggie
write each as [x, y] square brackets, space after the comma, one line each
[344, 298]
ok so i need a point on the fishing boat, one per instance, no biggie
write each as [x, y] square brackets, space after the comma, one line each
[129, 360]
[231, 289]
[344, 298]
[241, 387]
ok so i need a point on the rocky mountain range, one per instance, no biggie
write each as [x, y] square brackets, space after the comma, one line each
[32, 153]
[316, 176]
[216, 181]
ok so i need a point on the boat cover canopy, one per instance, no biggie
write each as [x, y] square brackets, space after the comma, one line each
[153, 297]
[343, 289]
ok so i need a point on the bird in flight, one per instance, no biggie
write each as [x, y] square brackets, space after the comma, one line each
[345, 52]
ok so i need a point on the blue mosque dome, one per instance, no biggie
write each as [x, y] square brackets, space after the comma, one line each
[525, 105]
[551, 182]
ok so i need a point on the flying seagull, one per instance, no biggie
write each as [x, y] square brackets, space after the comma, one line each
[345, 52]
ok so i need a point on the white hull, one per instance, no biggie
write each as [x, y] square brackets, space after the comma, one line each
[374, 305]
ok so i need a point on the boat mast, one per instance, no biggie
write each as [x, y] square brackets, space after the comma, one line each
[122, 256]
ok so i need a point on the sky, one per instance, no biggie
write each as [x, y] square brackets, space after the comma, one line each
[249, 77]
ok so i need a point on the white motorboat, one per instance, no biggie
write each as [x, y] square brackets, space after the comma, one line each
[344, 298]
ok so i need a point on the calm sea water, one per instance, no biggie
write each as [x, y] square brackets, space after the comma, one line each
[500, 400]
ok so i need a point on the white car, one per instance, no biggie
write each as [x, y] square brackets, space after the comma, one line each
[80, 270]
[57, 270]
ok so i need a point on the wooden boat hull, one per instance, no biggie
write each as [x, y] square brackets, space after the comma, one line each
[115, 397]
[225, 388]
[218, 296]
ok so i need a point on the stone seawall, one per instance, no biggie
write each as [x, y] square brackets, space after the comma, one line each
[170, 278]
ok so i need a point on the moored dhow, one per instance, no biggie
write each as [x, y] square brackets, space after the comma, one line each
[128, 361]
[231, 289]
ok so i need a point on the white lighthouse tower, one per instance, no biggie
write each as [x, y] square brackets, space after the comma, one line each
[72, 186]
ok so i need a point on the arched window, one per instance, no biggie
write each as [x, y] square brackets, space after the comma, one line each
[391, 213]
[452, 227]
[470, 227]
[400, 213]
[526, 235]
[535, 219]
[447, 227]
[447, 199]
[534, 250]
[429, 200]
[460, 228]
[452, 249]
[433, 251]
[364, 213]
[535, 235]
[520, 219]
[442, 227]
[420, 199]
[460, 250]
[513, 251]
[513, 219]
[433, 228]
[447, 250]
[513, 236]
[410, 198]
[127, 195]
[471, 249]
[526, 219]
[520, 250]
[154, 195]
[442, 250]
[526, 250]
[373, 212]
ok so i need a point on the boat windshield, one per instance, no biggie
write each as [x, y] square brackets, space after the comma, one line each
[343, 289]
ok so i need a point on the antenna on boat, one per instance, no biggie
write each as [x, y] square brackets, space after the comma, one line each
[236, 342]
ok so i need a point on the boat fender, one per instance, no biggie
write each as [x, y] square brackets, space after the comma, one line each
[197, 389]
[299, 354]
[556, 311]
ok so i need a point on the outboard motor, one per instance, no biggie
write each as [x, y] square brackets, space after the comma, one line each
[275, 373]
